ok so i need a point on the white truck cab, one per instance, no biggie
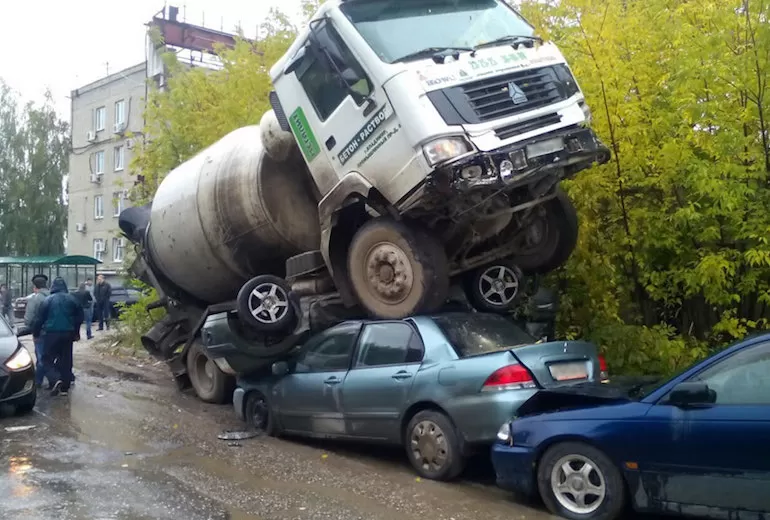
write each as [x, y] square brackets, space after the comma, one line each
[450, 121]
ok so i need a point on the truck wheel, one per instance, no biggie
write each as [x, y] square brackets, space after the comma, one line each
[552, 235]
[263, 304]
[496, 287]
[394, 272]
[210, 384]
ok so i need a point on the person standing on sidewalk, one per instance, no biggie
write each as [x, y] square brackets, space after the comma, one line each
[59, 319]
[87, 301]
[39, 294]
[102, 294]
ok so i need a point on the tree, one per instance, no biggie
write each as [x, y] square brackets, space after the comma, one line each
[673, 254]
[34, 148]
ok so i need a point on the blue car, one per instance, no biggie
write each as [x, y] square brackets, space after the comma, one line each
[698, 445]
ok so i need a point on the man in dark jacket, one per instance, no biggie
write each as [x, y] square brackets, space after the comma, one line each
[102, 293]
[59, 320]
[87, 302]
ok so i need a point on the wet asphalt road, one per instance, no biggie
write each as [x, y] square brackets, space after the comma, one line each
[125, 445]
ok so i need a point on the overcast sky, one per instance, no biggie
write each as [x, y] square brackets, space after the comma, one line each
[64, 44]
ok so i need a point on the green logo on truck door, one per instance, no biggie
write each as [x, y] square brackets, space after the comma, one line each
[304, 135]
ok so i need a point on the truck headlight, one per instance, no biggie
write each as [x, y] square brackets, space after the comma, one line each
[445, 148]
[21, 359]
[504, 433]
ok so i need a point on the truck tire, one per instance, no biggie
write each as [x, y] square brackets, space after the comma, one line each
[496, 287]
[551, 237]
[396, 272]
[263, 304]
[210, 384]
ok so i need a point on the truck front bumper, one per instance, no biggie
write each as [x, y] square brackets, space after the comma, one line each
[566, 151]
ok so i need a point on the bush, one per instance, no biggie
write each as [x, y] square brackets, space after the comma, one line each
[135, 320]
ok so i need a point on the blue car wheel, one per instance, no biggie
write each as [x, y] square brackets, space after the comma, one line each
[579, 482]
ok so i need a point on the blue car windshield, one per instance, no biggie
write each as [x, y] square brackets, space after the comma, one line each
[476, 333]
[397, 28]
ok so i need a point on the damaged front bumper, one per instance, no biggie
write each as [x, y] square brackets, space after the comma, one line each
[570, 150]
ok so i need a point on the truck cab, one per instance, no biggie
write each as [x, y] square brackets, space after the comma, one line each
[451, 116]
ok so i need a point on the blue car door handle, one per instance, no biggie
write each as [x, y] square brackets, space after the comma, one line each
[401, 374]
[332, 381]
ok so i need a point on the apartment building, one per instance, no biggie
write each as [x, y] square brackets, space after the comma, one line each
[107, 123]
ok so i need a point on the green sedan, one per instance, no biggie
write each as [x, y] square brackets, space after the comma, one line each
[438, 385]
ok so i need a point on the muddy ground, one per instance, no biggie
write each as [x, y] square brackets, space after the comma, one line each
[126, 445]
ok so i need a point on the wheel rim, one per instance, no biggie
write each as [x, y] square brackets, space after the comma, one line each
[578, 484]
[268, 303]
[389, 273]
[498, 285]
[260, 414]
[428, 446]
[204, 371]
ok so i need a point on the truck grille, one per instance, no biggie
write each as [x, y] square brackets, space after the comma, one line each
[492, 98]
[522, 127]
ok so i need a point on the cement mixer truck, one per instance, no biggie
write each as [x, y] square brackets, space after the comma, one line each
[410, 145]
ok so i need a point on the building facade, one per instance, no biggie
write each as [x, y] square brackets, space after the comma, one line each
[107, 123]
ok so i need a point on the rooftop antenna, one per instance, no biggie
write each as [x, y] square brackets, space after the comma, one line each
[184, 13]
[107, 66]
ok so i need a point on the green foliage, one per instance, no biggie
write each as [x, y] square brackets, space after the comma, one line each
[34, 148]
[673, 255]
[135, 320]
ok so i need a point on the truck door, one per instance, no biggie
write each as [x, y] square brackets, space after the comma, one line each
[341, 113]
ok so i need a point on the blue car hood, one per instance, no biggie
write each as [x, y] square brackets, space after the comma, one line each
[574, 397]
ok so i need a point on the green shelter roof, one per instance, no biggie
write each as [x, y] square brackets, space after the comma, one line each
[49, 260]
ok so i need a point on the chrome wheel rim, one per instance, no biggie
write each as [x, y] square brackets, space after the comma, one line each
[578, 484]
[268, 303]
[498, 285]
[428, 446]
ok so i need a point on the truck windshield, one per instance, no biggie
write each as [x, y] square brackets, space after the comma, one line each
[398, 28]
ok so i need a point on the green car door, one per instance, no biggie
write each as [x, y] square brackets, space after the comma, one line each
[376, 389]
[309, 396]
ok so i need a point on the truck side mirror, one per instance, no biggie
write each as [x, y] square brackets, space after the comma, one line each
[296, 61]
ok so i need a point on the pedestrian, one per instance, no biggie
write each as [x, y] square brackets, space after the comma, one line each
[59, 320]
[7, 305]
[87, 301]
[39, 294]
[102, 294]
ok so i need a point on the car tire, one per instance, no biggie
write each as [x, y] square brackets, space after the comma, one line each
[593, 468]
[496, 287]
[27, 405]
[394, 273]
[259, 414]
[263, 304]
[210, 384]
[431, 437]
[558, 221]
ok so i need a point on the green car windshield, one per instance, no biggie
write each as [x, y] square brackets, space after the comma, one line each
[398, 28]
[473, 334]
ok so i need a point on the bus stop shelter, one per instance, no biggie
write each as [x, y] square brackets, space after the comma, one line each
[17, 271]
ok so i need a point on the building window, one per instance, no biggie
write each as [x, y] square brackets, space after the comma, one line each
[100, 118]
[119, 158]
[99, 160]
[98, 207]
[118, 198]
[120, 112]
[117, 249]
[99, 249]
